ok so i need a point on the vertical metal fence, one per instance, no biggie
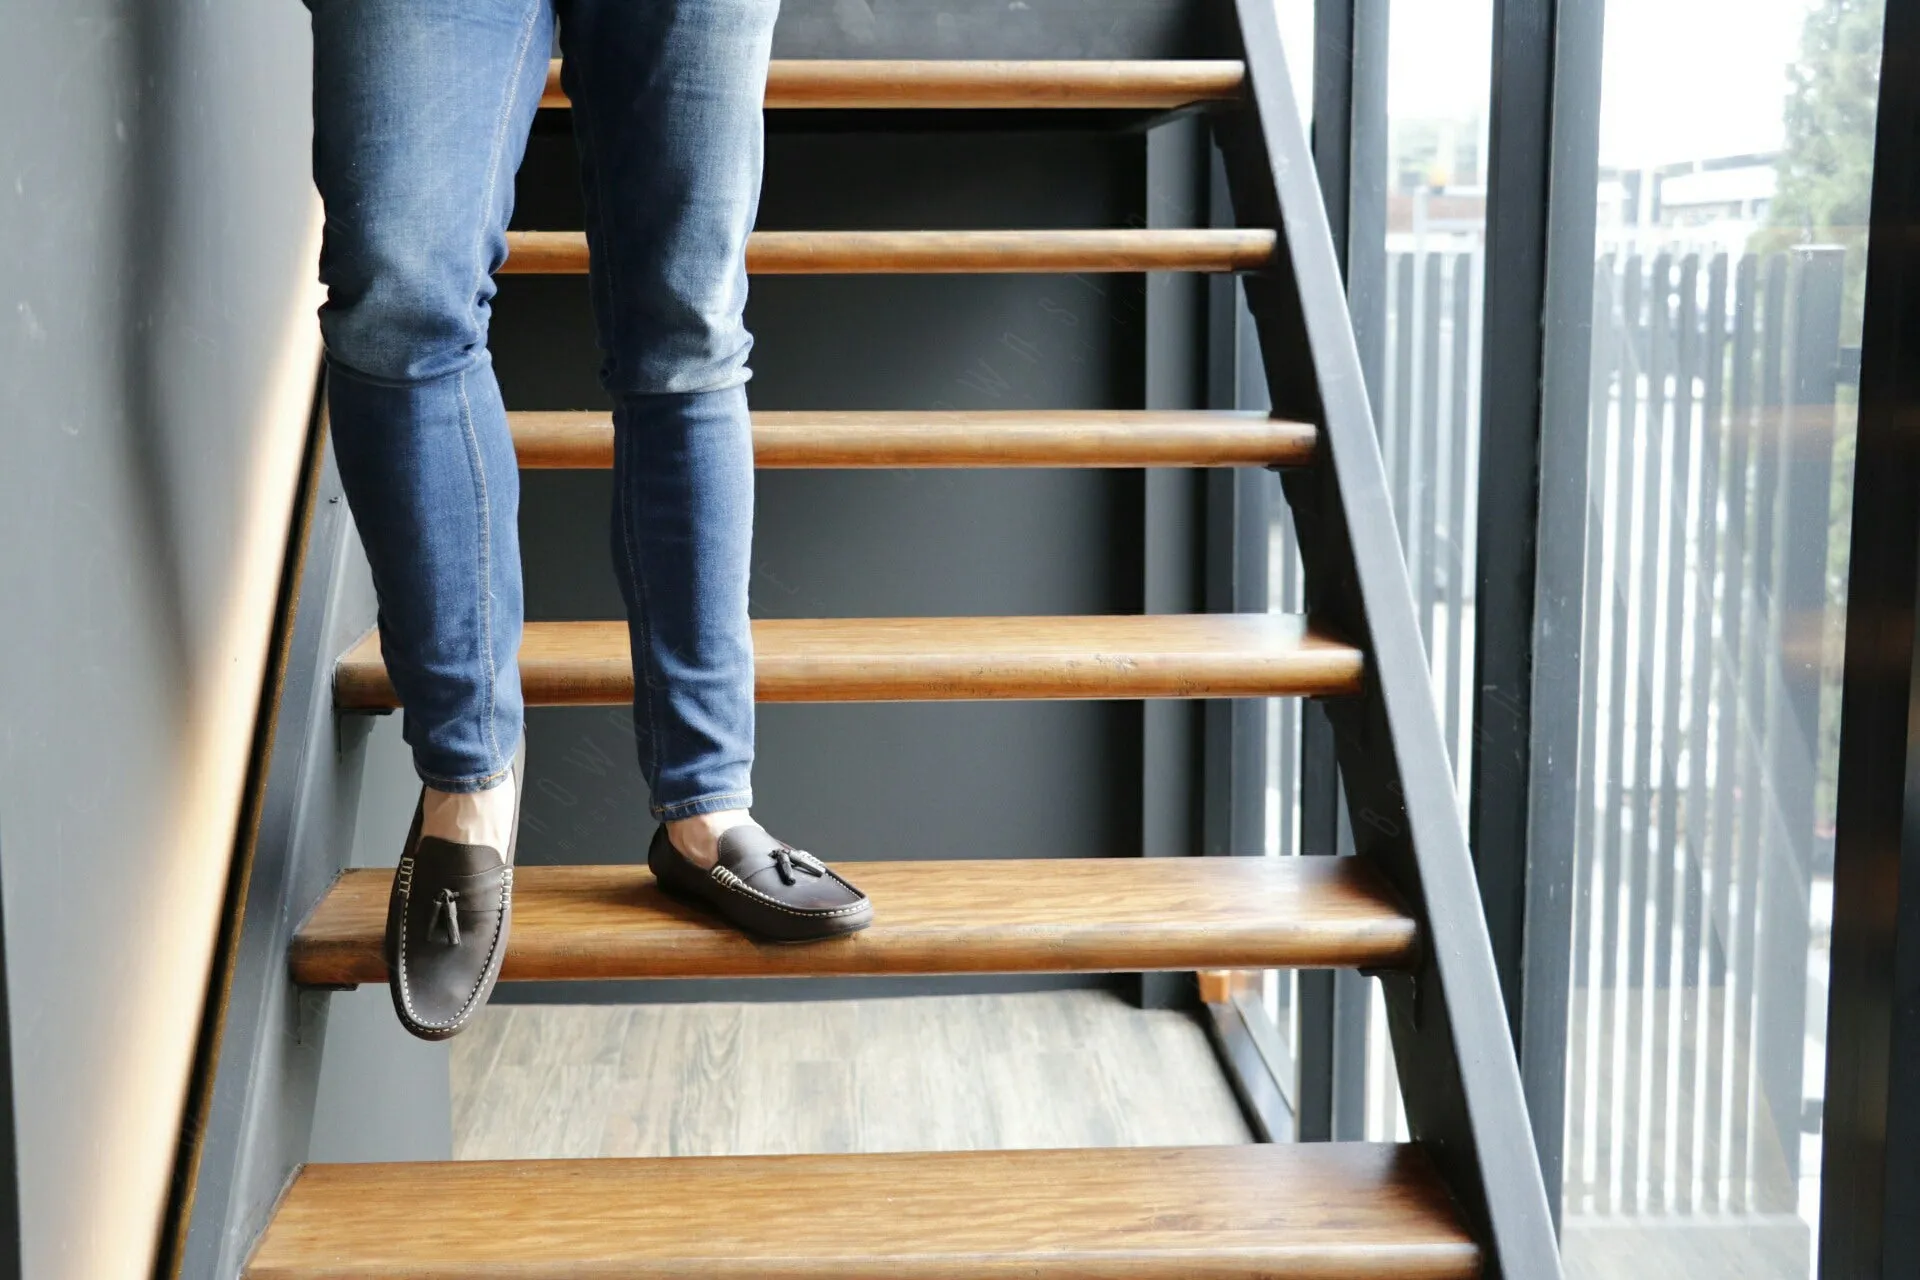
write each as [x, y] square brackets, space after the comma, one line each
[1428, 436]
[1720, 421]
[1712, 619]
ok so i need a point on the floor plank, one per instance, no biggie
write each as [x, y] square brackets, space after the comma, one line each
[935, 1073]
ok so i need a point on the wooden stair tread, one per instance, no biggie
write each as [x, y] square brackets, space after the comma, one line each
[1061, 915]
[861, 83]
[1325, 1211]
[959, 438]
[1208, 655]
[943, 252]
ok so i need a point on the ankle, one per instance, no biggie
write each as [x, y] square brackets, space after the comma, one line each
[473, 817]
[698, 838]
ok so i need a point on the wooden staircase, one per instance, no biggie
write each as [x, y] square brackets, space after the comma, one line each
[1463, 1199]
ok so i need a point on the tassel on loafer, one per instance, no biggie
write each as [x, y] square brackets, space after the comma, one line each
[447, 923]
[764, 887]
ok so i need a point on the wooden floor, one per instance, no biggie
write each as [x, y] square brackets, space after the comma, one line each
[1055, 1069]
[1703, 1247]
[1669, 1187]
[1050, 1069]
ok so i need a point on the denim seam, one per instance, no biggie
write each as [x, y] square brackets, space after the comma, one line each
[603, 256]
[507, 101]
[486, 562]
[665, 812]
[603, 260]
[642, 684]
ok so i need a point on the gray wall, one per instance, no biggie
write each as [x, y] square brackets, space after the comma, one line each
[381, 1094]
[306, 1074]
[157, 353]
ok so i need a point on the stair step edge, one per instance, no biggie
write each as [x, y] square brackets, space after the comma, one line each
[1063, 915]
[1335, 1211]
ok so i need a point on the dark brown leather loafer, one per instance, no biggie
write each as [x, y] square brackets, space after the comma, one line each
[764, 887]
[447, 922]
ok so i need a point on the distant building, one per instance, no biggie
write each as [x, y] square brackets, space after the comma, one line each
[1717, 203]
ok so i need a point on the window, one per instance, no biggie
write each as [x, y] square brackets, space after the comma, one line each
[1735, 162]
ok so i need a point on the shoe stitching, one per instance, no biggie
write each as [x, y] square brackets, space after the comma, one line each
[406, 995]
[729, 880]
[486, 564]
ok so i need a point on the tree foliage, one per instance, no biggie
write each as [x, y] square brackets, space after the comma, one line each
[1826, 169]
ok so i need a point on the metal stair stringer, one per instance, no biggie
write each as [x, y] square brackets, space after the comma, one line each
[1459, 1076]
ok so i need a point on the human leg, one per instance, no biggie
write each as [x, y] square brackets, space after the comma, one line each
[421, 110]
[667, 108]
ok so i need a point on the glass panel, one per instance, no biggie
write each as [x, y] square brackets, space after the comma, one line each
[1427, 401]
[1736, 153]
[1426, 393]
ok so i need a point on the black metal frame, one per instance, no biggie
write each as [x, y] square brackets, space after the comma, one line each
[1543, 166]
[1258, 1067]
[1870, 1180]
[10, 1261]
[1459, 1079]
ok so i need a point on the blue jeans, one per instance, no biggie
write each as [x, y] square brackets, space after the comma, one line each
[421, 113]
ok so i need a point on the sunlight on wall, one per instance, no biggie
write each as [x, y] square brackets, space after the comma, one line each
[193, 845]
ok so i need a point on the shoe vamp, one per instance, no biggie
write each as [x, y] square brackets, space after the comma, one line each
[807, 893]
[439, 975]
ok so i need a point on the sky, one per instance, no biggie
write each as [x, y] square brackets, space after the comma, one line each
[1692, 79]
[1683, 79]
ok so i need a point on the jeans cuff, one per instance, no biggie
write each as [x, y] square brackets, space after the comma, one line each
[468, 785]
[703, 804]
